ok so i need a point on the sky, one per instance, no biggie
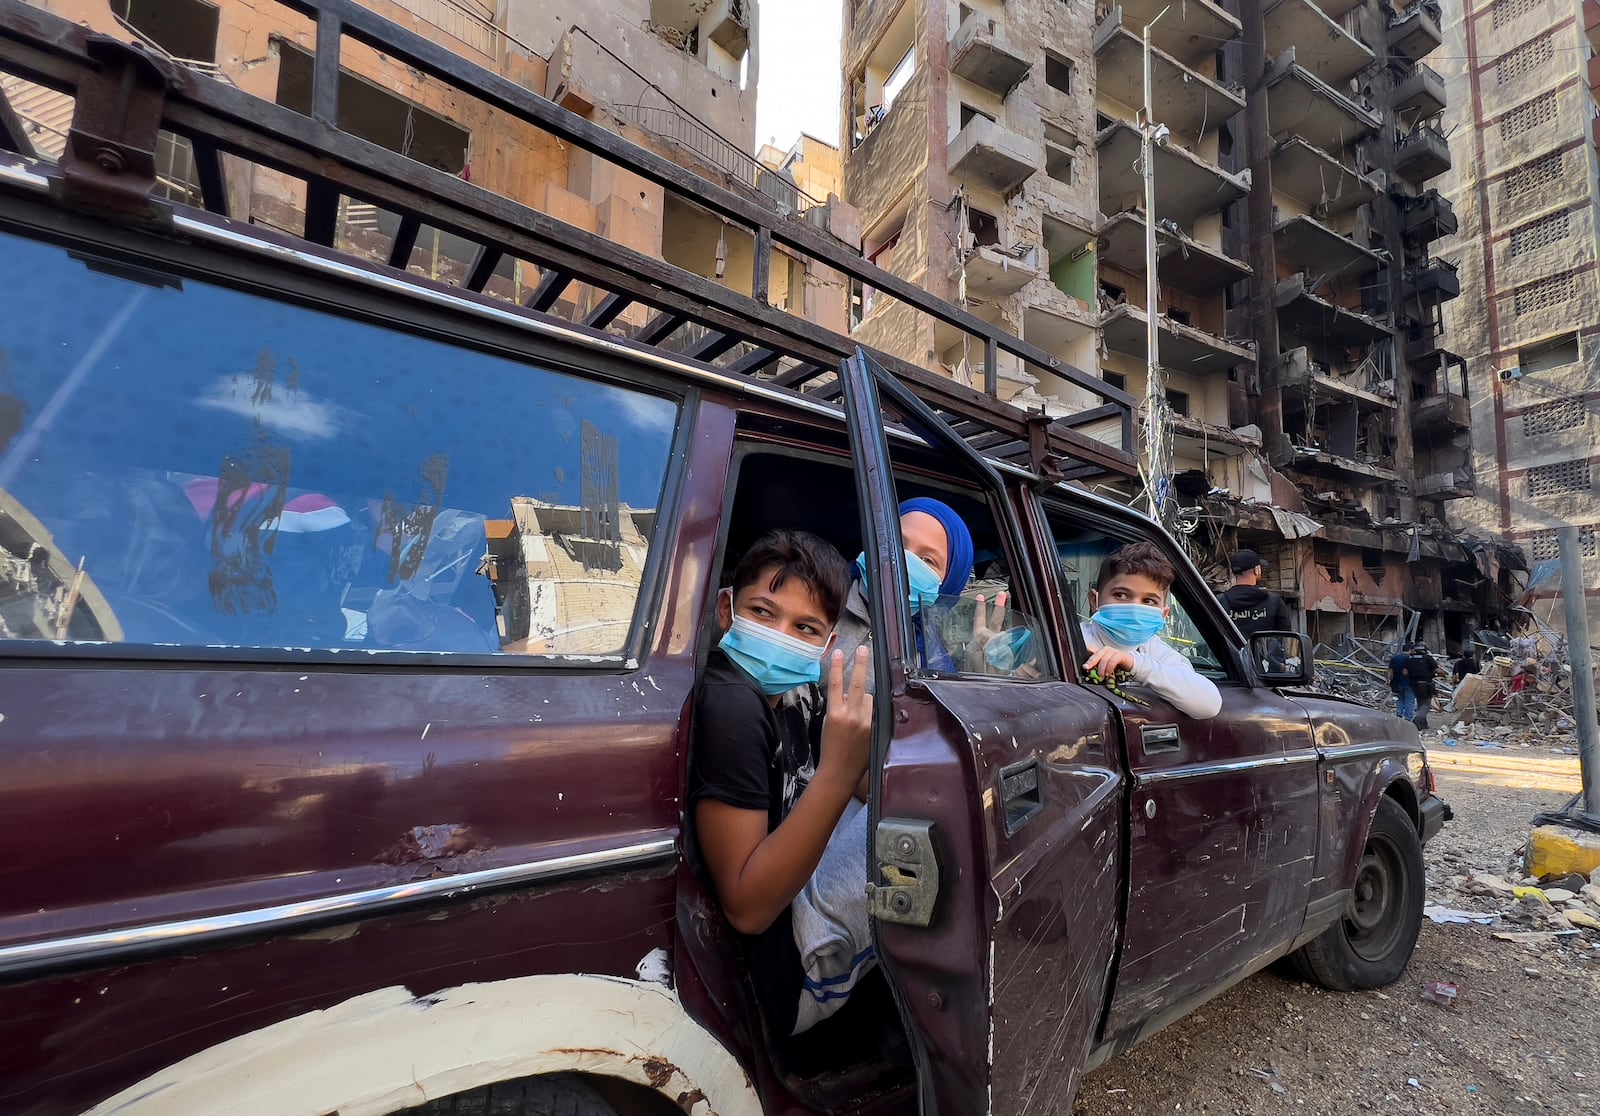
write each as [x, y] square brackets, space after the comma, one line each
[798, 88]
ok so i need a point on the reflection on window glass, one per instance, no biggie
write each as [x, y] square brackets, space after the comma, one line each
[990, 639]
[189, 465]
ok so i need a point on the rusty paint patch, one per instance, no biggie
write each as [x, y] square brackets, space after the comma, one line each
[687, 1101]
[433, 842]
[659, 1071]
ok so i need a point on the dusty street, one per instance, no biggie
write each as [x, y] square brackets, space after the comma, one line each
[1524, 1036]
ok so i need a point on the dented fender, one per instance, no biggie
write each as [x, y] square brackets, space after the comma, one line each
[388, 1050]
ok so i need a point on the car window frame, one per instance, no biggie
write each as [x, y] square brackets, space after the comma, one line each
[1137, 530]
[306, 281]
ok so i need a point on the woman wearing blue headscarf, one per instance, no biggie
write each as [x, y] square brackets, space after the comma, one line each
[939, 560]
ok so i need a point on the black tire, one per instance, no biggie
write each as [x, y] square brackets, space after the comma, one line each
[1371, 945]
[561, 1094]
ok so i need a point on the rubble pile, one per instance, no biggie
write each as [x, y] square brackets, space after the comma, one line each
[1522, 681]
[1523, 909]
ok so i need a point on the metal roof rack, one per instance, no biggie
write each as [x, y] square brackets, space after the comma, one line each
[125, 96]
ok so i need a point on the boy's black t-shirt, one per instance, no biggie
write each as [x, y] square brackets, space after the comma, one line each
[748, 754]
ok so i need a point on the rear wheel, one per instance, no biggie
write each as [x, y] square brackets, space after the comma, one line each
[1371, 945]
[560, 1094]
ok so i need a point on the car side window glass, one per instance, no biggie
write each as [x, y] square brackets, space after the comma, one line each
[183, 464]
[1081, 552]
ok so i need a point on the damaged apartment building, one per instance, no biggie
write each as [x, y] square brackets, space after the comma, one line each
[1525, 74]
[677, 76]
[993, 154]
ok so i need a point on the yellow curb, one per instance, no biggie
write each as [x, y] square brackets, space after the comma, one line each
[1554, 851]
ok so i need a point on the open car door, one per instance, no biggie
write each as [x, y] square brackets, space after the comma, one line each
[996, 816]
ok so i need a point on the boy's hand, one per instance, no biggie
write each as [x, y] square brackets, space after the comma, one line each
[985, 626]
[847, 729]
[1108, 661]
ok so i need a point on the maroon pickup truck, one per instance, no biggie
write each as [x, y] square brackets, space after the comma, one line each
[350, 625]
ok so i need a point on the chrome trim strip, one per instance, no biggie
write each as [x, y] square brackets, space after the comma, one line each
[1356, 751]
[1204, 770]
[201, 932]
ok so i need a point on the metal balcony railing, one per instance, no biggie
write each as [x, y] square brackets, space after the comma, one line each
[668, 123]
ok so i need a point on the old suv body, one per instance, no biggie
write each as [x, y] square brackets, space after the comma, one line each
[350, 631]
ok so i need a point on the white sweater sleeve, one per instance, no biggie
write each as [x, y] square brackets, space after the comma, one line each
[1172, 676]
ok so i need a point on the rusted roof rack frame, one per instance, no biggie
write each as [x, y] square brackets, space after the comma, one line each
[757, 338]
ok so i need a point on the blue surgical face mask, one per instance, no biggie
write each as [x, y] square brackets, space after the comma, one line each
[777, 662]
[1129, 625]
[924, 582]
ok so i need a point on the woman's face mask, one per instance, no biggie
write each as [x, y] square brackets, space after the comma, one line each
[1130, 625]
[777, 662]
[924, 582]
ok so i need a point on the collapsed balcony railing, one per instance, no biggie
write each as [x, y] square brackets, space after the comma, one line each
[127, 92]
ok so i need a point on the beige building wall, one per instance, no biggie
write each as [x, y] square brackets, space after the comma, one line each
[1519, 74]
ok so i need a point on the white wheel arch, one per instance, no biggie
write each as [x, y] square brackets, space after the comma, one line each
[388, 1050]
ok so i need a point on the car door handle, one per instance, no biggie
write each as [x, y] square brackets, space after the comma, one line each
[1159, 738]
[1021, 794]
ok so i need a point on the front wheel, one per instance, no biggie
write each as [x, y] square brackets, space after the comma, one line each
[1371, 945]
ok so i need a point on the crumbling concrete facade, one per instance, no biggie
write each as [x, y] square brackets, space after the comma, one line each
[993, 151]
[1524, 73]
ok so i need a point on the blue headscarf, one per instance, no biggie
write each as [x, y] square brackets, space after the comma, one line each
[958, 555]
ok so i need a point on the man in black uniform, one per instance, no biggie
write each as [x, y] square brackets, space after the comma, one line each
[1253, 608]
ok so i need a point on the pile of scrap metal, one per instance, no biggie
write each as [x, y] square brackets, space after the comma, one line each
[1358, 669]
[1525, 679]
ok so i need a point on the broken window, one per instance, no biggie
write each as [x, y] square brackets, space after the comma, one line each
[376, 115]
[984, 227]
[185, 29]
[969, 114]
[1116, 380]
[1554, 353]
[1059, 145]
[1178, 401]
[236, 487]
[1057, 72]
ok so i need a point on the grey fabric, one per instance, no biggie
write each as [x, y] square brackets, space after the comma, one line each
[853, 630]
[831, 927]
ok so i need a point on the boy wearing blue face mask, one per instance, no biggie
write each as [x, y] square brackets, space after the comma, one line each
[1124, 633]
[769, 775]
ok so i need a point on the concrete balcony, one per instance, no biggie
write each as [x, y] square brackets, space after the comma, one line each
[1428, 217]
[1421, 154]
[994, 274]
[1415, 33]
[1304, 380]
[1305, 314]
[1301, 104]
[1185, 101]
[1591, 22]
[1433, 281]
[1363, 474]
[1182, 261]
[1336, 55]
[1338, 9]
[1447, 413]
[1211, 440]
[1191, 32]
[1458, 485]
[1057, 324]
[987, 153]
[1306, 244]
[979, 53]
[1322, 184]
[1422, 89]
[1187, 186]
[1183, 348]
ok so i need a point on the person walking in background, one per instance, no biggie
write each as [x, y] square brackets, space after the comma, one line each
[1422, 672]
[1405, 699]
